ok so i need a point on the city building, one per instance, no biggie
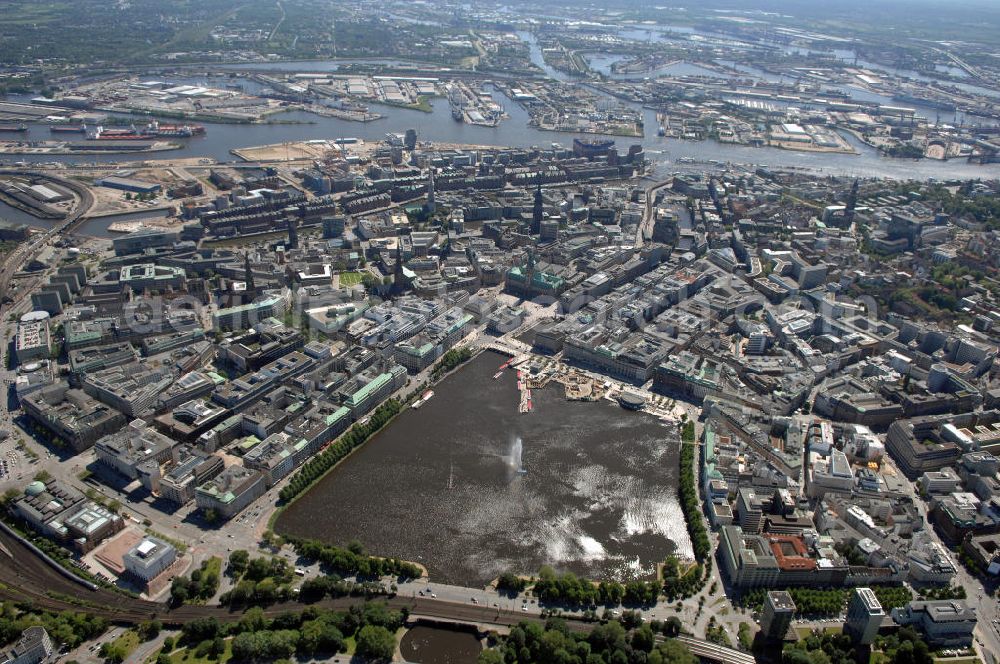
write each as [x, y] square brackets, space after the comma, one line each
[139, 241]
[247, 315]
[777, 614]
[72, 415]
[128, 184]
[176, 481]
[33, 341]
[132, 389]
[34, 646]
[943, 623]
[128, 450]
[864, 616]
[58, 511]
[149, 276]
[228, 493]
[276, 456]
[148, 559]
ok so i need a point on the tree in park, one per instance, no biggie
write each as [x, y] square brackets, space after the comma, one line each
[376, 642]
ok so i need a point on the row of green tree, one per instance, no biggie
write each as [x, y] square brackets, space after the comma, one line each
[903, 647]
[567, 589]
[611, 643]
[821, 648]
[688, 494]
[984, 209]
[117, 650]
[511, 583]
[943, 592]
[450, 360]
[322, 462]
[354, 560]
[904, 151]
[70, 628]
[201, 585]
[312, 632]
[316, 588]
[830, 601]
[258, 581]
[681, 581]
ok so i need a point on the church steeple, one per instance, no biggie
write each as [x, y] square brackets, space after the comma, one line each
[431, 205]
[248, 275]
[398, 278]
[852, 203]
[537, 211]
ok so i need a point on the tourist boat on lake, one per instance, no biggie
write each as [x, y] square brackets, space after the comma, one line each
[424, 398]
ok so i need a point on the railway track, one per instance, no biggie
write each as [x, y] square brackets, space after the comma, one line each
[25, 577]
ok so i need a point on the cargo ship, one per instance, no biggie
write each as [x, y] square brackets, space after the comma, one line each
[152, 130]
[68, 129]
[102, 134]
[16, 129]
[172, 131]
[923, 101]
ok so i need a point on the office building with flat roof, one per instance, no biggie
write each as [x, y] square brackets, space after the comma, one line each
[142, 239]
[148, 559]
[137, 444]
[944, 623]
[72, 415]
[229, 492]
[151, 276]
[276, 456]
[61, 512]
[864, 616]
[132, 388]
[776, 616]
[33, 647]
[32, 341]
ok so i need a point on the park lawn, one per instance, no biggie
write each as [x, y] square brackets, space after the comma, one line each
[352, 645]
[214, 565]
[803, 632]
[349, 279]
[187, 656]
[129, 641]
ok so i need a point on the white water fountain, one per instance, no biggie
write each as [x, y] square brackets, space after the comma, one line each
[514, 458]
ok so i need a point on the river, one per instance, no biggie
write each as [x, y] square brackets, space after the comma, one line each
[438, 126]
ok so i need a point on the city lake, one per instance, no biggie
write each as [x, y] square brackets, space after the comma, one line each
[594, 493]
